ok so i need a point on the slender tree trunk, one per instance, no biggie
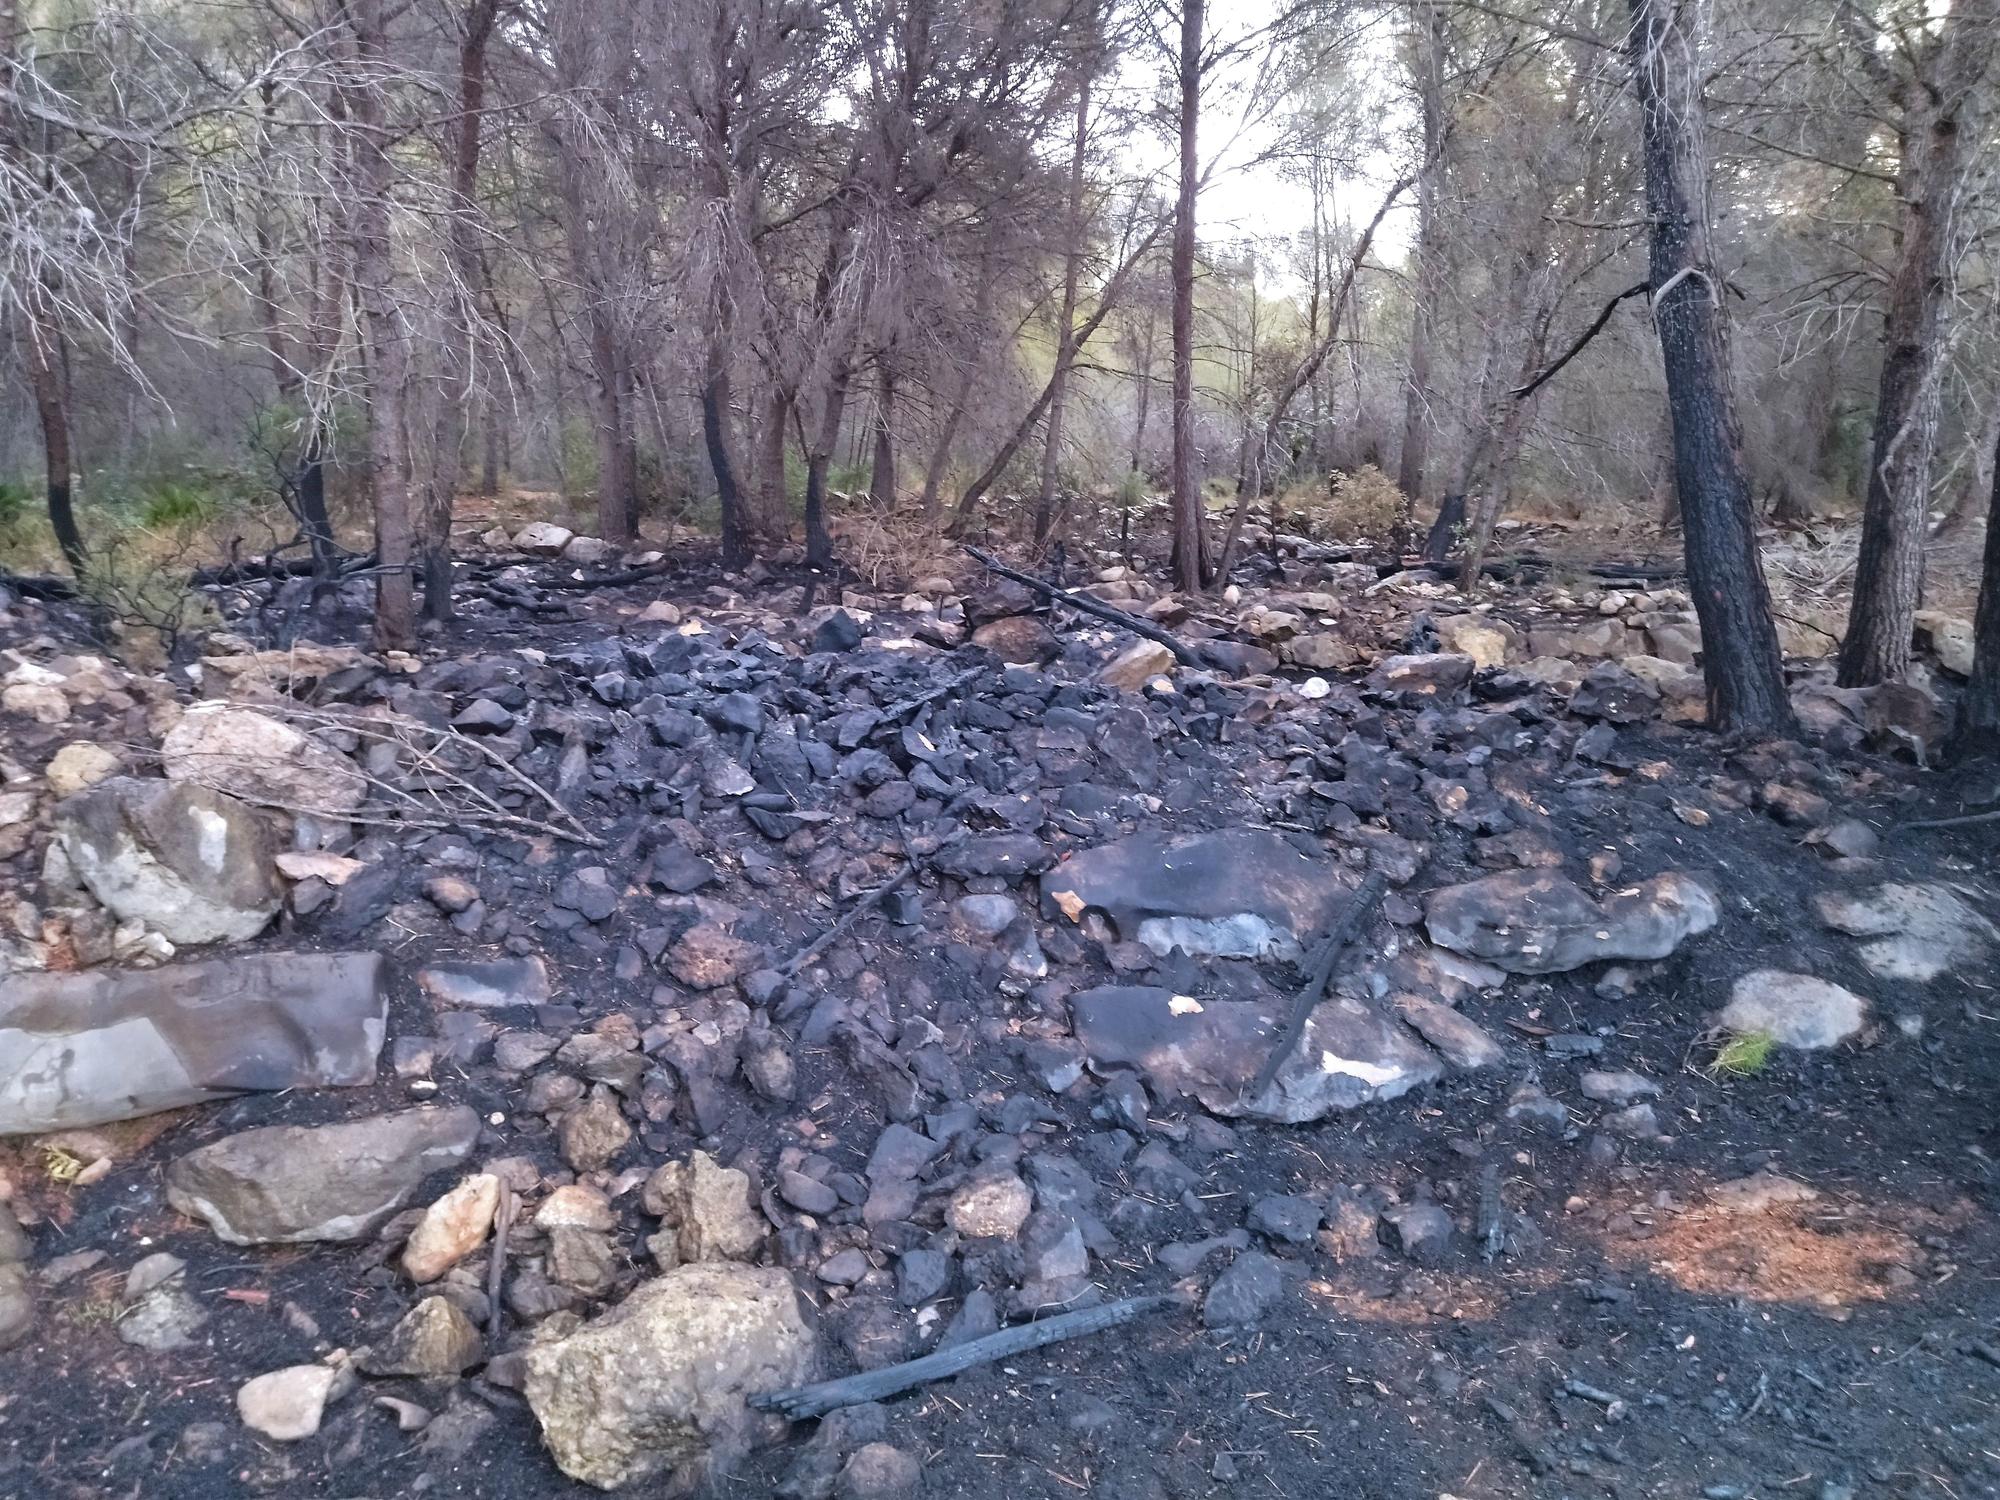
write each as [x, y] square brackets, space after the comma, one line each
[1045, 501]
[1429, 258]
[882, 472]
[44, 349]
[819, 541]
[1190, 555]
[775, 501]
[1981, 472]
[40, 336]
[447, 455]
[1740, 657]
[614, 497]
[489, 459]
[1145, 398]
[1107, 300]
[1889, 574]
[388, 352]
[715, 432]
[1978, 729]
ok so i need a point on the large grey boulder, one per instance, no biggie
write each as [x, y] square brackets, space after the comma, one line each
[659, 1382]
[1536, 922]
[1212, 1050]
[110, 1044]
[257, 758]
[191, 864]
[1919, 931]
[288, 1184]
[1793, 1010]
[1241, 893]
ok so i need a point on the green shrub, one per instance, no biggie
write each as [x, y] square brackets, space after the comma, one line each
[178, 507]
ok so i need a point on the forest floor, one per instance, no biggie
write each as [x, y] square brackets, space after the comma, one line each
[1525, 1275]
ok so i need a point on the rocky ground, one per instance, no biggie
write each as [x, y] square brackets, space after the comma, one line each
[477, 1073]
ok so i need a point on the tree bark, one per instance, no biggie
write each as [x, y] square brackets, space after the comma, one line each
[388, 351]
[1889, 574]
[882, 471]
[715, 433]
[1978, 729]
[774, 500]
[462, 141]
[1145, 398]
[1430, 264]
[44, 349]
[1045, 501]
[1190, 554]
[1740, 657]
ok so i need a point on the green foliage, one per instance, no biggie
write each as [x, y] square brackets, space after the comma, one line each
[178, 507]
[1132, 489]
[848, 479]
[17, 503]
[1743, 1056]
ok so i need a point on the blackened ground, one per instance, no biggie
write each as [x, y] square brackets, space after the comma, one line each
[1821, 1351]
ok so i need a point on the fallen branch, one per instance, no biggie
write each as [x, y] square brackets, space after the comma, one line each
[1346, 927]
[613, 580]
[38, 586]
[833, 934]
[877, 1385]
[1964, 820]
[496, 1265]
[1082, 604]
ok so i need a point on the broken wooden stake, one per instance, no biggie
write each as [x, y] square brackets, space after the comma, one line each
[1345, 928]
[878, 1385]
[1083, 604]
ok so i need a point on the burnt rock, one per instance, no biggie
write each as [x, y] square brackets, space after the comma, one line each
[1536, 922]
[1287, 1218]
[1437, 674]
[88, 1048]
[1006, 856]
[289, 1184]
[487, 983]
[1420, 1231]
[1349, 1054]
[1244, 1293]
[594, 1131]
[432, 1340]
[1242, 893]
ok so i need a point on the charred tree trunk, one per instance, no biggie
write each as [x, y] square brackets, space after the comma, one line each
[1740, 657]
[614, 497]
[1190, 556]
[462, 141]
[1889, 575]
[819, 540]
[1430, 264]
[45, 380]
[1979, 711]
[715, 433]
[1045, 501]
[388, 351]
